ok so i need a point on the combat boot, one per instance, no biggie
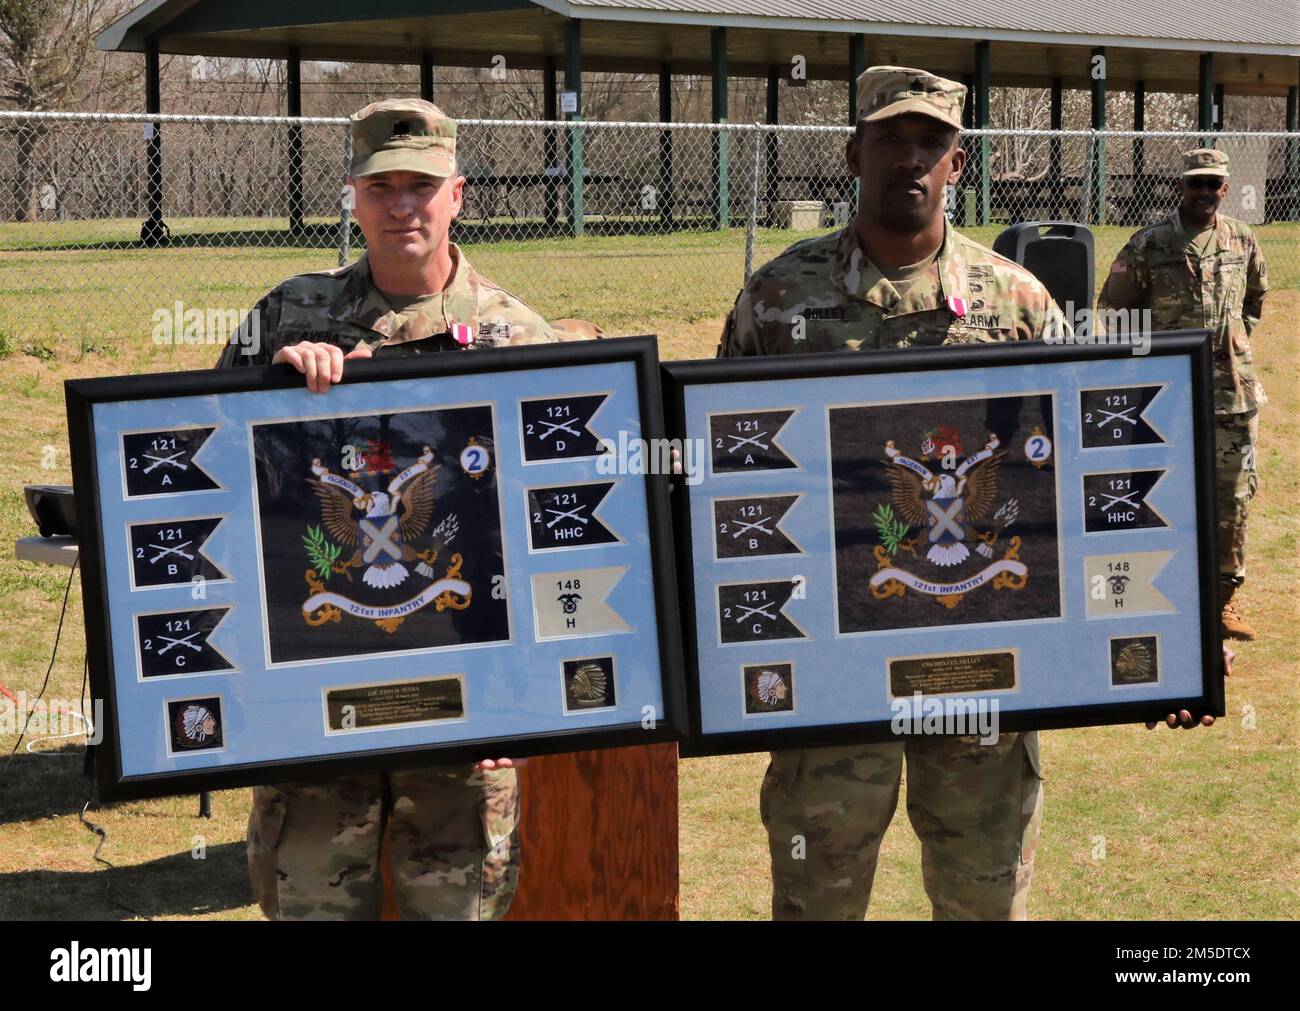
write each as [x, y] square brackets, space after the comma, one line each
[1232, 625]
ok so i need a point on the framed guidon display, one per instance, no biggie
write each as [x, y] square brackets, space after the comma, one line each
[438, 560]
[963, 539]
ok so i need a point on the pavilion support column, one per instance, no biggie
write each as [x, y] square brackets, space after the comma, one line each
[963, 206]
[1219, 109]
[857, 64]
[551, 170]
[1139, 145]
[666, 198]
[426, 75]
[721, 141]
[293, 102]
[573, 83]
[772, 152]
[980, 102]
[1205, 104]
[1055, 183]
[154, 230]
[1097, 184]
[1291, 158]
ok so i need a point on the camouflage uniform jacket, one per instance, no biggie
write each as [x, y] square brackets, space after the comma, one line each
[1221, 290]
[343, 307]
[823, 294]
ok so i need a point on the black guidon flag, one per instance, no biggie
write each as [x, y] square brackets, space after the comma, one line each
[752, 612]
[1114, 417]
[555, 428]
[750, 527]
[176, 642]
[562, 516]
[170, 552]
[162, 462]
[747, 440]
[1118, 501]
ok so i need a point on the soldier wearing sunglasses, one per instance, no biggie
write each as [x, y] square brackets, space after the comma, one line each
[1201, 269]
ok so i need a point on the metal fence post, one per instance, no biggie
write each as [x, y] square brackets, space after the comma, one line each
[345, 200]
[751, 227]
[574, 129]
[721, 177]
[1089, 179]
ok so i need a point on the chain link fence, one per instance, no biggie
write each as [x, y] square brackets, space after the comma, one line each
[134, 228]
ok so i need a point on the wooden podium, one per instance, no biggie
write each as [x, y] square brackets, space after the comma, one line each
[599, 837]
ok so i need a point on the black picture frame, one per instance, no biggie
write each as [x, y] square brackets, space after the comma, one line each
[84, 394]
[1194, 345]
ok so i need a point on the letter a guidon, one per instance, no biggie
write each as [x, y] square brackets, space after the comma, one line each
[163, 462]
[744, 441]
[573, 603]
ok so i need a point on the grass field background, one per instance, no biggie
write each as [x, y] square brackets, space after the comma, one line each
[1192, 824]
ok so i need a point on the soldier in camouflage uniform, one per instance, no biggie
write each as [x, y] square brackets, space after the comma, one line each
[1201, 269]
[898, 276]
[313, 849]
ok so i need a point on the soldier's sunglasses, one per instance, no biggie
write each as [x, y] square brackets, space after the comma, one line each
[1203, 182]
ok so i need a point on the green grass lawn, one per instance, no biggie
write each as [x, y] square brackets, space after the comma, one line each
[1195, 824]
[67, 297]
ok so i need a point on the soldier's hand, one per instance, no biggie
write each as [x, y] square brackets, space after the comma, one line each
[322, 364]
[489, 764]
[1184, 719]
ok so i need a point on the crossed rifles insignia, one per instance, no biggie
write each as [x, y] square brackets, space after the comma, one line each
[382, 528]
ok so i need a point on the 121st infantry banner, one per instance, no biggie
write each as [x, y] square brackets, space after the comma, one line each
[380, 534]
[945, 512]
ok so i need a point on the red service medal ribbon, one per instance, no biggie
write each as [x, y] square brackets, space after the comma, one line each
[957, 306]
[462, 334]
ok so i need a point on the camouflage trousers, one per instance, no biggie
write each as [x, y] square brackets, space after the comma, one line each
[313, 850]
[976, 808]
[1236, 438]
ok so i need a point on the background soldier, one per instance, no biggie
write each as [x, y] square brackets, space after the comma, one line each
[1201, 269]
[899, 276]
[313, 849]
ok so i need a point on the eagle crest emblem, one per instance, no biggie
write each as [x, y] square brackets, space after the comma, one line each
[383, 528]
[937, 514]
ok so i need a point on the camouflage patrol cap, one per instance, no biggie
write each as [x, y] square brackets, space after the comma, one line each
[893, 91]
[1205, 161]
[399, 134]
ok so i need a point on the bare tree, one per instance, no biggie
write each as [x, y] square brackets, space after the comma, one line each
[45, 53]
